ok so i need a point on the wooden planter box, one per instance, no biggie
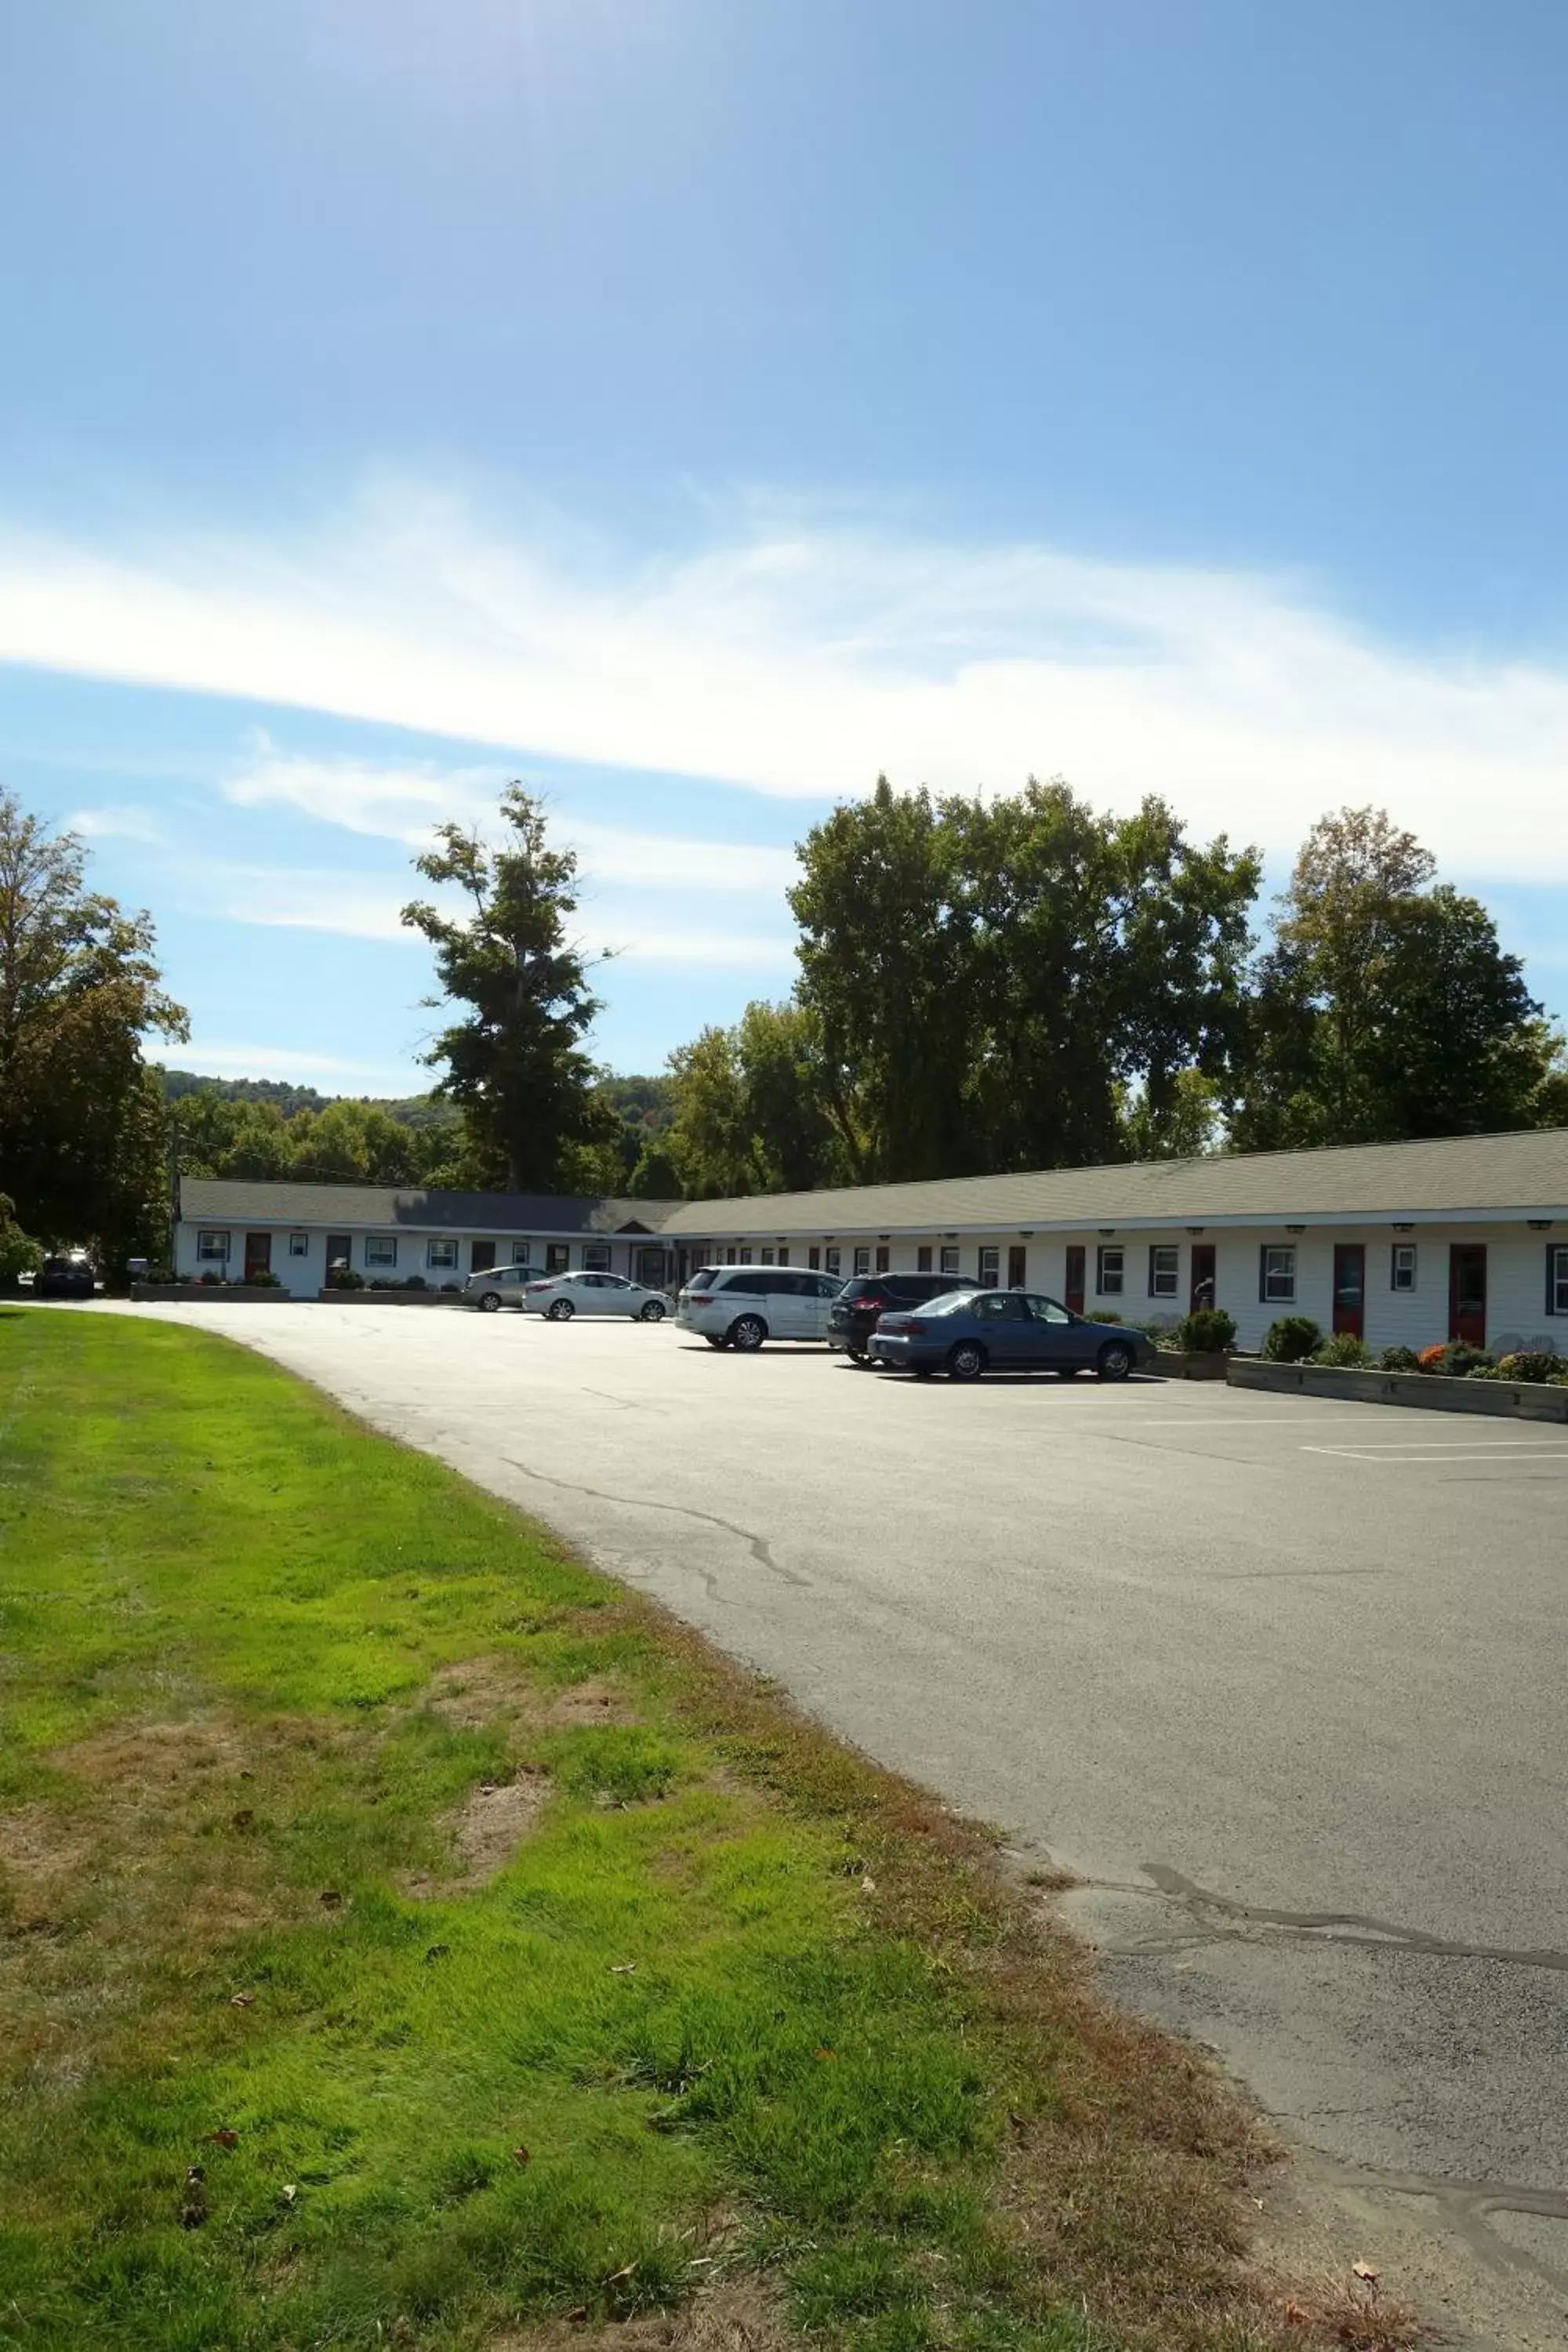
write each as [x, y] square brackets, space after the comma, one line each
[1518, 1400]
[1171, 1364]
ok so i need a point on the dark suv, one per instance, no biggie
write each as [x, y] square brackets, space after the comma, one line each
[865, 1297]
[66, 1277]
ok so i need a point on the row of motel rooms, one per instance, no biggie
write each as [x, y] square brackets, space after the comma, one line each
[1409, 1284]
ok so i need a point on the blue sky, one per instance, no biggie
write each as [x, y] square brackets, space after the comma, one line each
[694, 406]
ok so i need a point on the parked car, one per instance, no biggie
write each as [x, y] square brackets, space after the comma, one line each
[967, 1334]
[741, 1306]
[865, 1298]
[498, 1287]
[73, 1277]
[559, 1296]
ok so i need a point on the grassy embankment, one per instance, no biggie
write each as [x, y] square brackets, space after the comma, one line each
[411, 1937]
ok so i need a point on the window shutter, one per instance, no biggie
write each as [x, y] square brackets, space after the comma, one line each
[1263, 1275]
[1552, 1251]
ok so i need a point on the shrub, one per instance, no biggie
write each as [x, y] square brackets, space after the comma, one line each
[1400, 1360]
[1290, 1340]
[451, 1286]
[1206, 1331]
[344, 1277]
[1535, 1364]
[1100, 1314]
[19, 1252]
[262, 1279]
[416, 1282]
[209, 1280]
[384, 1282]
[1455, 1360]
[1345, 1350]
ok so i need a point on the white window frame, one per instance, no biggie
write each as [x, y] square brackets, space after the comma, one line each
[745, 1257]
[1111, 1283]
[299, 1244]
[767, 1257]
[832, 1260]
[989, 1264]
[1164, 1281]
[381, 1249]
[212, 1246]
[1276, 1281]
[1402, 1262]
[950, 1255]
[1557, 1288]
[441, 1254]
[863, 1260]
[596, 1257]
[519, 1252]
[557, 1257]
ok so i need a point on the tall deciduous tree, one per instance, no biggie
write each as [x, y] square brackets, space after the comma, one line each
[993, 980]
[751, 1109]
[515, 1061]
[1386, 1007]
[82, 1122]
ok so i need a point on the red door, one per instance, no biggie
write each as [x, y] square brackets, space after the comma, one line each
[1468, 1293]
[1204, 1263]
[1074, 1287]
[257, 1255]
[1350, 1288]
[1017, 1266]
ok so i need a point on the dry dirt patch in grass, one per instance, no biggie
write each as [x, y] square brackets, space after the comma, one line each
[739, 2315]
[480, 1691]
[487, 1832]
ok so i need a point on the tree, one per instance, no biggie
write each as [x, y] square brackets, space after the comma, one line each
[1386, 1007]
[82, 1121]
[1189, 1126]
[750, 1112]
[993, 980]
[515, 1063]
[19, 1253]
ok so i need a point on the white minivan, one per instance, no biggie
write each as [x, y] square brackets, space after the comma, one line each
[742, 1306]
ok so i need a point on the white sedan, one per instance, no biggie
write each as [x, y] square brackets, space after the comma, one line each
[559, 1296]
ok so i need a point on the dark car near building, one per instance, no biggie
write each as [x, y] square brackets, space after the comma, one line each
[1005, 1331]
[867, 1297]
[66, 1277]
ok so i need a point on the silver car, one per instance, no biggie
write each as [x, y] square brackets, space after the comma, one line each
[559, 1296]
[498, 1287]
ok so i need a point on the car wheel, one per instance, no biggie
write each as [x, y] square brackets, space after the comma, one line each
[652, 1313]
[490, 1302]
[857, 1355]
[720, 1344]
[747, 1333]
[1115, 1361]
[967, 1362]
[1066, 1372]
[922, 1372]
[561, 1310]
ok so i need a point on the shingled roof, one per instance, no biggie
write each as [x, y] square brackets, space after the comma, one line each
[1462, 1176]
[233, 1202]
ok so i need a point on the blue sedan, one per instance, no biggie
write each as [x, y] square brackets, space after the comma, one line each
[968, 1333]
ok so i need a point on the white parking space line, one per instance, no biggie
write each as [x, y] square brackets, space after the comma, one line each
[1424, 1452]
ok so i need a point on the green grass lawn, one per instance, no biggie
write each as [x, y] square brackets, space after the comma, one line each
[409, 1936]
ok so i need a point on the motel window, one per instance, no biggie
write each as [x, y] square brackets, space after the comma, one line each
[833, 1261]
[813, 1258]
[1277, 1275]
[557, 1256]
[863, 1261]
[521, 1253]
[1557, 1279]
[950, 1257]
[441, 1256]
[299, 1244]
[767, 1257]
[381, 1249]
[1402, 1269]
[1164, 1270]
[213, 1247]
[729, 1254]
[745, 1254]
[990, 1268]
[596, 1257]
[922, 1258]
[784, 1255]
[1109, 1271]
[884, 1260]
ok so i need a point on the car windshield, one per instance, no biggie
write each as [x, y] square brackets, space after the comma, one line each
[949, 1302]
[701, 1278]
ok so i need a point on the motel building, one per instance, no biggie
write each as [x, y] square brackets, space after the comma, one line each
[1401, 1243]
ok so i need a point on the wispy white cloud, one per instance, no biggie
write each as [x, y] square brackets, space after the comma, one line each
[404, 803]
[116, 825]
[802, 659]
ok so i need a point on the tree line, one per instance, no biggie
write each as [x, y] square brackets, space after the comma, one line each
[985, 985]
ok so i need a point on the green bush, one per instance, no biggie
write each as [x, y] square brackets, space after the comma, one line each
[1345, 1350]
[1400, 1360]
[1206, 1331]
[344, 1277]
[1455, 1360]
[416, 1282]
[262, 1279]
[19, 1252]
[1534, 1364]
[1292, 1340]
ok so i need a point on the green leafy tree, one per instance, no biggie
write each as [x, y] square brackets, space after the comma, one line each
[1386, 1007]
[751, 1107]
[1189, 1126]
[19, 1252]
[82, 1121]
[656, 1176]
[514, 1063]
[230, 1135]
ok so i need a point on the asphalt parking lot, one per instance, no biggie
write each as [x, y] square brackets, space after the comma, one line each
[1281, 1680]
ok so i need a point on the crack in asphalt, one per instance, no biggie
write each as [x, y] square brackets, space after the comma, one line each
[1466, 2207]
[756, 1544]
[1340, 1926]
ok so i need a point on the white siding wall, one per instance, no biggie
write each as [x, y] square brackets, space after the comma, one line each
[304, 1276]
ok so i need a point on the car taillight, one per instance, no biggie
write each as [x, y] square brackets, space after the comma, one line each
[911, 1323]
[700, 1298]
[538, 1286]
[871, 1306]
